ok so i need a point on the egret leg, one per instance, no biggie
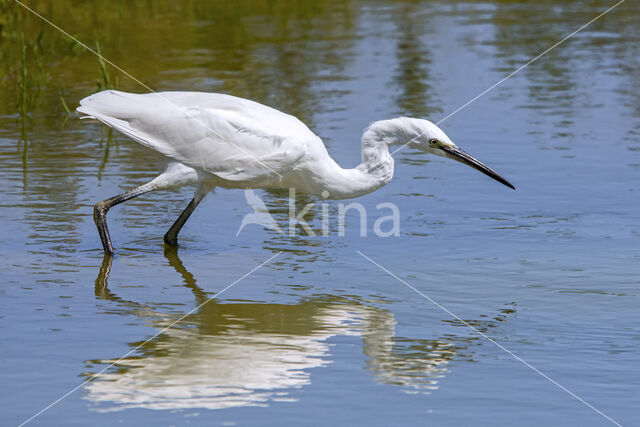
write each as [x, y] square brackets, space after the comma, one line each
[171, 237]
[100, 213]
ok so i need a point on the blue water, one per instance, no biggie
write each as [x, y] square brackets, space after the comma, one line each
[321, 335]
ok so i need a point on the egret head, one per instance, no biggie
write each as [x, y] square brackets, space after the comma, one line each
[431, 139]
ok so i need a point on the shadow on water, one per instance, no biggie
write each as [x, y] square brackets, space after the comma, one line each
[227, 355]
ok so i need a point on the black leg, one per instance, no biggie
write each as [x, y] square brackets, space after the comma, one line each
[171, 237]
[100, 213]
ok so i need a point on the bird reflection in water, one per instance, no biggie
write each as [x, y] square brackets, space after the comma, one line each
[249, 354]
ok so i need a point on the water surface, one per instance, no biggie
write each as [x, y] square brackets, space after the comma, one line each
[321, 335]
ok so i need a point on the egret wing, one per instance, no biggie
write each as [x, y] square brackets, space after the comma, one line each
[230, 137]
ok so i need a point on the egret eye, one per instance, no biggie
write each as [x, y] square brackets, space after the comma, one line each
[433, 142]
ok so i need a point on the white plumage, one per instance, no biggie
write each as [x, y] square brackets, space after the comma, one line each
[233, 138]
[221, 140]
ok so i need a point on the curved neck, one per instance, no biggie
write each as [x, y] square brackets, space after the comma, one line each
[334, 182]
[376, 169]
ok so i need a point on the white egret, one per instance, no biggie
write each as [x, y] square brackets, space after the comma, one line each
[217, 140]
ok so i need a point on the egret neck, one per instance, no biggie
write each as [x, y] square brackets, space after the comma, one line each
[376, 169]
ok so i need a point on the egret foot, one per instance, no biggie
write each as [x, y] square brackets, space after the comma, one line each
[100, 218]
[171, 237]
[101, 208]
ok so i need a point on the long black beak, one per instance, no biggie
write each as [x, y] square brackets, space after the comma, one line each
[457, 154]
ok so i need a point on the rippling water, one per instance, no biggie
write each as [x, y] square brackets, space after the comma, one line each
[320, 334]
